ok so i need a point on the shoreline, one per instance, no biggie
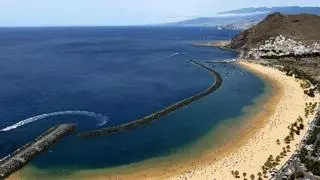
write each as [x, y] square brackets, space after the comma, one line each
[252, 155]
[245, 154]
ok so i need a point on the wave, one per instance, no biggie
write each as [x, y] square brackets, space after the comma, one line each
[101, 118]
[171, 55]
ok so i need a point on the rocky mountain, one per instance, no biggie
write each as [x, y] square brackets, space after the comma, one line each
[304, 28]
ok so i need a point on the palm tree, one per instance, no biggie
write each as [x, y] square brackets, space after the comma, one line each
[259, 175]
[278, 141]
[236, 173]
[287, 139]
[291, 135]
[301, 126]
[300, 120]
[244, 174]
[252, 176]
[270, 159]
[282, 154]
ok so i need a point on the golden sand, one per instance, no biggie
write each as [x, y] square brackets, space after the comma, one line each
[274, 122]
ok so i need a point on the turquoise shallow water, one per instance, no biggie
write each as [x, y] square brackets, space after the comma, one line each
[123, 74]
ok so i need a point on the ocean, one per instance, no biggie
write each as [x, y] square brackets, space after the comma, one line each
[102, 76]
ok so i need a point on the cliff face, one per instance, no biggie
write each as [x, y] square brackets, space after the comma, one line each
[303, 27]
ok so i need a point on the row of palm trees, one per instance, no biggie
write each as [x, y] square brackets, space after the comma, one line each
[310, 108]
[236, 174]
[294, 128]
[272, 161]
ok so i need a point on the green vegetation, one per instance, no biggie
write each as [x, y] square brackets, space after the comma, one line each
[298, 174]
[307, 80]
[311, 165]
[305, 84]
[244, 175]
[310, 108]
[235, 174]
[313, 136]
[294, 129]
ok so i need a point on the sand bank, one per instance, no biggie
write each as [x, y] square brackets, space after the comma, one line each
[247, 152]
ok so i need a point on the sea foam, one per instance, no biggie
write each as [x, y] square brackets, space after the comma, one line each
[99, 117]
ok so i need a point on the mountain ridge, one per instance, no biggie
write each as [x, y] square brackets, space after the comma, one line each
[302, 27]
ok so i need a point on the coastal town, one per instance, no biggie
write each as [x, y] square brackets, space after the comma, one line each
[281, 46]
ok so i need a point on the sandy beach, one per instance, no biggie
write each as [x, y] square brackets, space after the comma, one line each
[254, 152]
[245, 153]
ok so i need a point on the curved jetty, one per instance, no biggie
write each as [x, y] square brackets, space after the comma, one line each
[19, 158]
[158, 114]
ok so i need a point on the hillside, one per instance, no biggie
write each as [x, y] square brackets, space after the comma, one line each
[303, 27]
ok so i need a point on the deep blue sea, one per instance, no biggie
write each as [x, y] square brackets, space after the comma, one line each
[102, 76]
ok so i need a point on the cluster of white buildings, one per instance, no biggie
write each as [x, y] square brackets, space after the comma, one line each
[238, 25]
[283, 46]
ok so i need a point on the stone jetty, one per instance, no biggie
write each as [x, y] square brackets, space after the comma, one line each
[19, 158]
[155, 116]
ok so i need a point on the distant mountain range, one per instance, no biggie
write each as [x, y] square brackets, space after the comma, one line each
[241, 19]
[284, 10]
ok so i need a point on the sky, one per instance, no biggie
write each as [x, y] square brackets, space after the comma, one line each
[121, 12]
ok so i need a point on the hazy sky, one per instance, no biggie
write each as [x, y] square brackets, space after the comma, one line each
[121, 12]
